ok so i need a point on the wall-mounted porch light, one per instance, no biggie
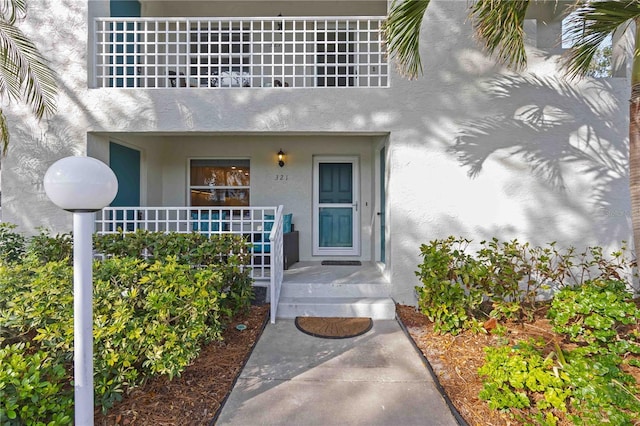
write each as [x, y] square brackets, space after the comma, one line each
[280, 158]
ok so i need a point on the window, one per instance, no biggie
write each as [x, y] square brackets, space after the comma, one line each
[219, 182]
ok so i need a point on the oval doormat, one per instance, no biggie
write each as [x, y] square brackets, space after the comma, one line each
[333, 328]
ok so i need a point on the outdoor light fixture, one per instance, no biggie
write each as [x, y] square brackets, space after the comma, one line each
[280, 158]
[82, 185]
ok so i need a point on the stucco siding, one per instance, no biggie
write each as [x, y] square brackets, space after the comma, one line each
[472, 149]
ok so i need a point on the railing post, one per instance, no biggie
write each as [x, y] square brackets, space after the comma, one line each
[277, 263]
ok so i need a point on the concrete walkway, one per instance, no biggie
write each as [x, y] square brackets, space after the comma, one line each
[295, 379]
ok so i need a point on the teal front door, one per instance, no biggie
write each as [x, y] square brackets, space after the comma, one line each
[336, 216]
[125, 163]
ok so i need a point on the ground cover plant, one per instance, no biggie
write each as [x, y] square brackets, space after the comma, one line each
[152, 315]
[556, 332]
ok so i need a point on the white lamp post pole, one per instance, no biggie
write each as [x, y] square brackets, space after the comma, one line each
[83, 317]
[82, 185]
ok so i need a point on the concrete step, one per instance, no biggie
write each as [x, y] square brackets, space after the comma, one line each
[334, 290]
[377, 308]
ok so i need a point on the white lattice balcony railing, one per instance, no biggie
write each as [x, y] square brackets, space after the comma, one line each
[240, 52]
[260, 226]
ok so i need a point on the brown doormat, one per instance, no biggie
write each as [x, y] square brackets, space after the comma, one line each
[341, 263]
[333, 328]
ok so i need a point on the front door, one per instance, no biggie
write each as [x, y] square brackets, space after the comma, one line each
[125, 163]
[336, 218]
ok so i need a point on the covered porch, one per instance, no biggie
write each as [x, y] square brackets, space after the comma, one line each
[234, 183]
[165, 179]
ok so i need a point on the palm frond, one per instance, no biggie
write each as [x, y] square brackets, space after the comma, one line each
[24, 72]
[590, 25]
[4, 132]
[402, 33]
[12, 10]
[499, 26]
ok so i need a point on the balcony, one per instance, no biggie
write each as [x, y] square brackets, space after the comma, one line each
[225, 53]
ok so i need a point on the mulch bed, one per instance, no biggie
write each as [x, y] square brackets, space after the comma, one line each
[456, 359]
[195, 397]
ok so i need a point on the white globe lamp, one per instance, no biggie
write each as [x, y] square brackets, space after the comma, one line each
[80, 184]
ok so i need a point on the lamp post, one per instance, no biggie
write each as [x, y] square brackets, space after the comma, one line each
[82, 185]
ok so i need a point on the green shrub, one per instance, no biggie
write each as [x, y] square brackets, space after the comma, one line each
[152, 320]
[189, 248]
[37, 301]
[509, 276]
[149, 318]
[602, 393]
[594, 314]
[597, 315]
[520, 376]
[228, 252]
[12, 244]
[447, 296]
[595, 387]
[51, 248]
[33, 388]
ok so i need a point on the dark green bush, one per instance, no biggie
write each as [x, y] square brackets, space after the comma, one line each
[12, 244]
[447, 296]
[508, 276]
[51, 248]
[190, 249]
[44, 246]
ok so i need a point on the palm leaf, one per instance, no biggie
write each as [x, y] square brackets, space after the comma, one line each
[590, 25]
[402, 33]
[499, 25]
[4, 132]
[24, 71]
[11, 10]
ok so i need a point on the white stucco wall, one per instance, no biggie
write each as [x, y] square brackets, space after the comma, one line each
[472, 150]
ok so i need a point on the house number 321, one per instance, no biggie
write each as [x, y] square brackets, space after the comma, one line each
[282, 177]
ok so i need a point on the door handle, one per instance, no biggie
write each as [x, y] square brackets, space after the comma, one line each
[355, 205]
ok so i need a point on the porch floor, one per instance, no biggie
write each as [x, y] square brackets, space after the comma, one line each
[315, 272]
